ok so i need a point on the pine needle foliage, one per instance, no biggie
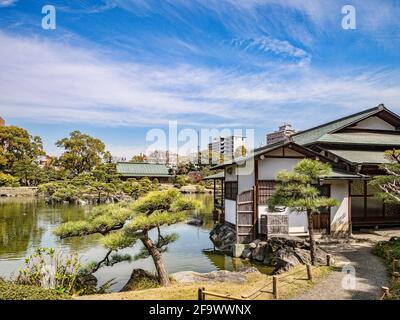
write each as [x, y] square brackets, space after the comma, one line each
[389, 184]
[298, 191]
[123, 224]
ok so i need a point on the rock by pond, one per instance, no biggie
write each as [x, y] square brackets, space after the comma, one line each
[239, 276]
[282, 253]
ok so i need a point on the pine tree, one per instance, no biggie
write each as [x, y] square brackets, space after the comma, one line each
[389, 184]
[298, 191]
[125, 223]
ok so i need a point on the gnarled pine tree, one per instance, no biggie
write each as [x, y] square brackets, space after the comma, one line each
[297, 190]
[125, 223]
[389, 184]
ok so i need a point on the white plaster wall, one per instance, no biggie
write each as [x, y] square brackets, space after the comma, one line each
[230, 211]
[269, 167]
[246, 176]
[374, 123]
[339, 214]
[230, 176]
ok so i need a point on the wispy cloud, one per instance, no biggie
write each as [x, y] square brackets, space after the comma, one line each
[7, 3]
[268, 45]
[60, 83]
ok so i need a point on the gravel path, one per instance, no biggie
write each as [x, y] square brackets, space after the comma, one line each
[369, 270]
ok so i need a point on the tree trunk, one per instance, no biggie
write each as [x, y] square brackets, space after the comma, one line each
[158, 260]
[312, 237]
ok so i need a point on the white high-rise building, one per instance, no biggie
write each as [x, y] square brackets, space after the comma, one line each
[223, 149]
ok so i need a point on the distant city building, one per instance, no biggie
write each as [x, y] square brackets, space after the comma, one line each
[284, 132]
[2, 122]
[223, 149]
[162, 157]
[118, 159]
[45, 160]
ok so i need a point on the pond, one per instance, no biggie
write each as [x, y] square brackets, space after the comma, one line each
[26, 224]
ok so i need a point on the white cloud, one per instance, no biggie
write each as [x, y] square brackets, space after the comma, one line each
[7, 3]
[49, 82]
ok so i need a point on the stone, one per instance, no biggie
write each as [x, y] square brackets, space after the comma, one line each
[195, 222]
[214, 276]
[136, 275]
[285, 259]
[246, 253]
[238, 250]
[253, 245]
[259, 251]
[223, 237]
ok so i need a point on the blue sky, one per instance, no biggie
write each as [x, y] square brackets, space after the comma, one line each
[117, 68]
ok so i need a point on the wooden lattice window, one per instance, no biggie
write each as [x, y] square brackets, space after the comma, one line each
[231, 190]
[265, 190]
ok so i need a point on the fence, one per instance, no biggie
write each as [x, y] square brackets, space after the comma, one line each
[272, 287]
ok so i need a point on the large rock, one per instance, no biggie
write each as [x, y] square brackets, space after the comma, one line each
[223, 237]
[195, 221]
[136, 276]
[214, 276]
[282, 253]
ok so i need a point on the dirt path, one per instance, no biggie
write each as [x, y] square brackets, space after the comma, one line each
[370, 275]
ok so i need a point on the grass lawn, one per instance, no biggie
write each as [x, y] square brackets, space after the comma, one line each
[290, 284]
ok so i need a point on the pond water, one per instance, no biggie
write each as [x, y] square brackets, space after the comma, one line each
[26, 224]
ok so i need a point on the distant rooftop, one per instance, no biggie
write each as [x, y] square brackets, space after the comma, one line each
[130, 169]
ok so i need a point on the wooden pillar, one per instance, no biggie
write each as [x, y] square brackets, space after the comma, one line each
[255, 199]
[349, 210]
[275, 287]
[200, 294]
[328, 260]
[309, 272]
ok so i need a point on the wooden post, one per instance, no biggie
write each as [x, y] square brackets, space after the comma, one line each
[275, 288]
[385, 291]
[200, 294]
[328, 260]
[309, 272]
[395, 264]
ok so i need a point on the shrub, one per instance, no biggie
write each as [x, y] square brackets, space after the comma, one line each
[46, 269]
[389, 250]
[181, 180]
[7, 180]
[14, 291]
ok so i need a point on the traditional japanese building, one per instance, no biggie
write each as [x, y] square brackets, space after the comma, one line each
[353, 145]
[140, 170]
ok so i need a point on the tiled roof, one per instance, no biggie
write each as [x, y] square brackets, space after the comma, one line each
[361, 157]
[313, 134]
[128, 169]
[362, 138]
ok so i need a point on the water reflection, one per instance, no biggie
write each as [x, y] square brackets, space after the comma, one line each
[29, 223]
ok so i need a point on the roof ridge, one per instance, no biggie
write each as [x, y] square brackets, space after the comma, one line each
[380, 107]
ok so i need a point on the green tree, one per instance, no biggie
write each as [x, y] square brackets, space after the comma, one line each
[181, 180]
[29, 172]
[389, 184]
[82, 153]
[298, 191]
[17, 146]
[125, 223]
[7, 180]
[140, 158]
